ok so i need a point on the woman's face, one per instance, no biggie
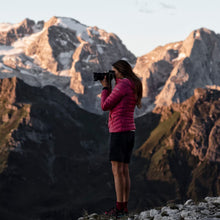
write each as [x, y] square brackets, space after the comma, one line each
[117, 73]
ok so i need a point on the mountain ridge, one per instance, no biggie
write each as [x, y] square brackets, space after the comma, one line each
[64, 49]
[52, 152]
[170, 73]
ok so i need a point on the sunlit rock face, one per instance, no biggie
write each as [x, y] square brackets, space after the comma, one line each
[198, 129]
[170, 73]
[9, 33]
[61, 52]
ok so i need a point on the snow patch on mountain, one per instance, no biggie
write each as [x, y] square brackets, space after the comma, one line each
[65, 58]
[80, 29]
[2, 66]
[99, 47]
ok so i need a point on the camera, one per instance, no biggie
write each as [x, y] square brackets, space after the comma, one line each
[100, 76]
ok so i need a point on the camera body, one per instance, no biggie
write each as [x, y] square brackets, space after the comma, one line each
[100, 76]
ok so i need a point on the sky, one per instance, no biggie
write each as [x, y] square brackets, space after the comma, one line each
[142, 25]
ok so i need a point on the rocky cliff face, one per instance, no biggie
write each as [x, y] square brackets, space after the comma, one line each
[171, 73]
[10, 33]
[181, 156]
[61, 52]
[51, 154]
[198, 124]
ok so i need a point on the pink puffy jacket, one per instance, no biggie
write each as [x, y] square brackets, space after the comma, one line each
[121, 103]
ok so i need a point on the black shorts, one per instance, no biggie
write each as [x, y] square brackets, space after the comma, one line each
[121, 146]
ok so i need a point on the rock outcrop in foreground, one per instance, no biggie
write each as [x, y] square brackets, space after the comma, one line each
[209, 209]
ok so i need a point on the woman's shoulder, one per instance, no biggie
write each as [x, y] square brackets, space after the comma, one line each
[127, 82]
[124, 81]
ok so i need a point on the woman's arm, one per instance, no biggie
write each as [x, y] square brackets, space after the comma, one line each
[110, 99]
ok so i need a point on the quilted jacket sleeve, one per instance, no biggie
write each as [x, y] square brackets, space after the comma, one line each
[110, 100]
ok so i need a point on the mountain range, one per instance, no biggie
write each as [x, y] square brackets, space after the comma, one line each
[54, 136]
[61, 52]
[64, 53]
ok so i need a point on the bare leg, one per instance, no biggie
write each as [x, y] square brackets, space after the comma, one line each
[126, 182]
[117, 170]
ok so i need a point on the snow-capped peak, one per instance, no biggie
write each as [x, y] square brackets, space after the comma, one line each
[72, 24]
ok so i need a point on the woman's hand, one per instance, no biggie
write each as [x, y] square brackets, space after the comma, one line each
[104, 82]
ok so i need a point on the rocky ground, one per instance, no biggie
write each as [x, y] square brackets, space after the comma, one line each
[209, 209]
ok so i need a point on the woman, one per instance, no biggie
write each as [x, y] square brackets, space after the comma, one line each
[121, 102]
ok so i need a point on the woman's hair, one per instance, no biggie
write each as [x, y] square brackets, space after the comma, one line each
[126, 70]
